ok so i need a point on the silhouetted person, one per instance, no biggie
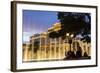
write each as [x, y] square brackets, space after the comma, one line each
[79, 52]
[85, 54]
[70, 55]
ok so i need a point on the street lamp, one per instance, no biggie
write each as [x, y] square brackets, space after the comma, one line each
[67, 34]
[69, 37]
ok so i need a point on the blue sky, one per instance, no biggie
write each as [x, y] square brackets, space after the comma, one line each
[37, 22]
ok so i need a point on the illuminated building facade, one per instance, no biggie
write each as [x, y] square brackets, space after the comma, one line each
[42, 47]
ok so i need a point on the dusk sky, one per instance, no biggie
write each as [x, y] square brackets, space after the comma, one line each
[37, 22]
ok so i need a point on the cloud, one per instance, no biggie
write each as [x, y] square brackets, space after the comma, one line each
[26, 36]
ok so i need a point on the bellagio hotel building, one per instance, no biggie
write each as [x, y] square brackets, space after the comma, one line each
[41, 47]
